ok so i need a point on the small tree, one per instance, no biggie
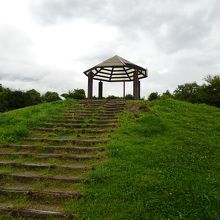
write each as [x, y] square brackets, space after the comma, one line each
[50, 97]
[210, 92]
[153, 96]
[16, 99]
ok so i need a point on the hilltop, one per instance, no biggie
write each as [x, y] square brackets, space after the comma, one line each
[160, 164]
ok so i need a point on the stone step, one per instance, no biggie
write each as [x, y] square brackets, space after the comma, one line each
[78, 125]
[84, 108]
[82, 118]
[82, 131]
[90, 112]
[35, 213]
[113, 108]
[52, 148]
[39, 194]
[73, 121]
[79, 112]
[33, 177]
[46, 165]
[106, 114]
[72, 141]
[58, 156]
[117, 105]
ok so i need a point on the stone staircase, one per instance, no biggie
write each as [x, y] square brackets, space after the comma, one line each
[41, 176]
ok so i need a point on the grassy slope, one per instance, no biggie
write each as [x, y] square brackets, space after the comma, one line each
[164, 164]
[14, 124]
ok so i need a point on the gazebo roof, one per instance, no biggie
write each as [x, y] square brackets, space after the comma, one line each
[116, 69]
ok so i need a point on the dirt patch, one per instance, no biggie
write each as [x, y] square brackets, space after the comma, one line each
[136, 108]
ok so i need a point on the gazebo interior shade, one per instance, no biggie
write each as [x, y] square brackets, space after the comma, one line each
[116, 69]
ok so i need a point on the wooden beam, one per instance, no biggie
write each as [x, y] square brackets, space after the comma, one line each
[97, 71]
[111, 74]
[135, 85]
[127, 73]
[139, 89]
[124, 89]
[100, 89]
[90, 85]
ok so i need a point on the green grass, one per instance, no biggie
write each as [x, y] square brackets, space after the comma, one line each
[163, 164]
[15, 124]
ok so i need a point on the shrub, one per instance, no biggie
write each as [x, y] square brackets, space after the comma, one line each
[75, 94]
[50, 97]
[153, 96]
[112, 97]
[32, 97]
[129, 97]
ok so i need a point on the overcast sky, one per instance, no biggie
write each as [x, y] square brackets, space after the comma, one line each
[47, 44]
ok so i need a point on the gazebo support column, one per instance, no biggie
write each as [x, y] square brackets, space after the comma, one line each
[90, 85]
[100, 89]
[136, 85]
[124, 89]
[139, 89]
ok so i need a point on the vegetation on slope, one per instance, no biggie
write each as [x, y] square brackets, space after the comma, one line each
[163, 164]
[208, 93]
[14, 124]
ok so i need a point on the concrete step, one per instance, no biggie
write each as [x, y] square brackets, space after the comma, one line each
[45, 166]
[39, 194]
[51, 148]
[33, 177]
[58, 156]
[35, 213]
[72, 141]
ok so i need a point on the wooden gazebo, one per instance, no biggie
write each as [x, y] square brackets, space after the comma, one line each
[116, 69]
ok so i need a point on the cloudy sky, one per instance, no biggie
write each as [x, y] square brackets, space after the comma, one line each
[47, 44]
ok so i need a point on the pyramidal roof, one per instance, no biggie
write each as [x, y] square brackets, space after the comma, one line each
[115, 61]
[116, 69]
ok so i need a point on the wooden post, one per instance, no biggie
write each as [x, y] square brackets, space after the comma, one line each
[124, 89]
[135, 85]
[100, 89]
[139, 89]
[90, 84]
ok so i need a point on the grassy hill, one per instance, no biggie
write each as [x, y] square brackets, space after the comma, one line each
[14, 124]
[162, 164]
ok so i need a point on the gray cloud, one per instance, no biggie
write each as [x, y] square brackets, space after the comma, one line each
[177, 40]
[174, 25]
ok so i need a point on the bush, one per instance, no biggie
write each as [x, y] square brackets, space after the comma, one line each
[113, 97]
[50, 97]
[188, 92]
[78, 94]
[129, 97]
[208, 93]
[153, 96]
[75, 94]
[32, 97]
